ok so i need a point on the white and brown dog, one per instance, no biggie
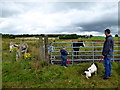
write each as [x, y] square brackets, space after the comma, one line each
[91, 70]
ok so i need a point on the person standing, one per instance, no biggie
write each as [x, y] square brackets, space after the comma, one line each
[108, 53]
[64, 54]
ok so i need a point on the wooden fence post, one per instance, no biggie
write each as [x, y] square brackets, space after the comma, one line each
[42, 57]
[46, 48]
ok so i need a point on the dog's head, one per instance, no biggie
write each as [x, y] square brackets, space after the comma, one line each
[84, 71]
[88, 73]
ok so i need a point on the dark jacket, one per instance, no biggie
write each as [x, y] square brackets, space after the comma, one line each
[64, 52]
[108, 46]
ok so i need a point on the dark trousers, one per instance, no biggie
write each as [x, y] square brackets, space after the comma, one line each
[108, 66]
[64, 60]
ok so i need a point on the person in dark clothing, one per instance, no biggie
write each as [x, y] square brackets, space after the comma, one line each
[64, 54]
[108, 53]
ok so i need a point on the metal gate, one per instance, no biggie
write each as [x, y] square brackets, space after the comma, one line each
[91, 52]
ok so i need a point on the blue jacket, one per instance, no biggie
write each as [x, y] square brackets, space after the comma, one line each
[108, 46]
[64, 52]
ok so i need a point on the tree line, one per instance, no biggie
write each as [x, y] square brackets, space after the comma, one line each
[60, 36]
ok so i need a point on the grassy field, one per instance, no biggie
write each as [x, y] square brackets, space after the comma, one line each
[33, 73]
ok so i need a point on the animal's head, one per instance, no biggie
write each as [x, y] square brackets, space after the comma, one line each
[25, 45]
[88, 73]
[13, 47]
[81, 43]
[10, 50]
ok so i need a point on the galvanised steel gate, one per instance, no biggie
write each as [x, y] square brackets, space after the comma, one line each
[91, 52]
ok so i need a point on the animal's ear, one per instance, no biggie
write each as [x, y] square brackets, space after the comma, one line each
[84, 73]
[91, 64]
[89, 69]
[96, 65]
[85, 69]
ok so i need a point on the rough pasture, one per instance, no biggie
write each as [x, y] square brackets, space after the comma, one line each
[32, 73]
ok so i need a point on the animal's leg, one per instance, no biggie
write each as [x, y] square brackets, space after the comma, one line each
[74, 54]
[87, 77]
[26, 50]
[16, 56]
[77, 54]
[95, 72]
[18, 53]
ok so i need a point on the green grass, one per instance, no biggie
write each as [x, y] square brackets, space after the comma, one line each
[34, 74]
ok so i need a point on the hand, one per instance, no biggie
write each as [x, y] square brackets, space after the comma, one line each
[103, 57]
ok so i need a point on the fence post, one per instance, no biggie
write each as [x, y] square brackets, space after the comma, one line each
[42, 57]
[46, 48]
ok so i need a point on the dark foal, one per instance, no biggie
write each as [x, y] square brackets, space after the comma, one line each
[77, 46]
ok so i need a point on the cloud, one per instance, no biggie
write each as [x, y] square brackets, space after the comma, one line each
[79, 18]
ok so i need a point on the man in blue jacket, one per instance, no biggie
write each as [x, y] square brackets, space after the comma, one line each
[108, 53]
[64, 54]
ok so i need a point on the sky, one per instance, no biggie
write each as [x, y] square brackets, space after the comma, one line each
[82, 18]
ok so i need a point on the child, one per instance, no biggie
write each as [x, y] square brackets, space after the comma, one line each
[64, 54]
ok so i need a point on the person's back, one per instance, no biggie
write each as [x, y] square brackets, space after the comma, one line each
[64, 54]
[108, 46]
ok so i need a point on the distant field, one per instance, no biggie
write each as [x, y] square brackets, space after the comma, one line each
[26, 38]
[33, 38]
[92, 38]
[100, 38]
